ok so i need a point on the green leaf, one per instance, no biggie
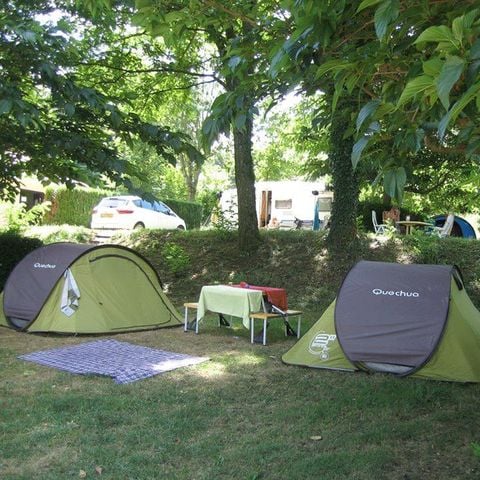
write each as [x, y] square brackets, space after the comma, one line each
[240, 121]
[457, 28]
[385, 14]
[457, 108]
[332, 65]
[461, 26]
[357, 150]
[416, 86]
[385, 109]
[234, 62]
[475, 50]
[5, 105]
[366, 4]
[366, 111]
[432, 67]
[436, 34]
[69, 109]
[449, 75]
[394, 182]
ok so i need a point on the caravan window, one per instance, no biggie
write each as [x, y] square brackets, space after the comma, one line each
[283, 204]
[324, 204]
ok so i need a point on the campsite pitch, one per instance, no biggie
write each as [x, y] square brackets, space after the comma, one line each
[242, 415]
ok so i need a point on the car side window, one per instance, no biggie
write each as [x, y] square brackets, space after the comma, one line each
[160, 207]
[147, 205]
[137, 203]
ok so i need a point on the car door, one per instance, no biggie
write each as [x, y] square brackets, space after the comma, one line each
[166, 218]
[149, 216]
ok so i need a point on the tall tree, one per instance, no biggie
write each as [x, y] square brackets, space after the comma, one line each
[233, 39]
[319, 33]
[51, 122]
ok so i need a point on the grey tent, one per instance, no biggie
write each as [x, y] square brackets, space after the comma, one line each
[76, 288]
[402, 319]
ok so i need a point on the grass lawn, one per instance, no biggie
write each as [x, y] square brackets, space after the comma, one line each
[244, 414]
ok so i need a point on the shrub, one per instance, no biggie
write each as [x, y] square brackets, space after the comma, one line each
[61, 233]
[72, 207]
[13, 248]
[175, 258]
[18, 217]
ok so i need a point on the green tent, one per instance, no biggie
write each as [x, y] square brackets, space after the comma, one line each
[75, 288]
[402, 319]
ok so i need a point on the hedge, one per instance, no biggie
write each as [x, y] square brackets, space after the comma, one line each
[13, 248]
[72, 207]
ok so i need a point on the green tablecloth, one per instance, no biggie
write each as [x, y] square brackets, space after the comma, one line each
[238, 302]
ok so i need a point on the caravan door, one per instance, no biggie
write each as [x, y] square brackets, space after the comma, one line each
[265, 208]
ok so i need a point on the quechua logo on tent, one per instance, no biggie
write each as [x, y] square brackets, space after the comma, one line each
[394, 293]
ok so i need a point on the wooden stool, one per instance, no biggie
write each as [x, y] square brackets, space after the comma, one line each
[193, 306]
[270, 316]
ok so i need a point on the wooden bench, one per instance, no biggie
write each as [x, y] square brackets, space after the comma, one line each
[193, 306]
[265, 317]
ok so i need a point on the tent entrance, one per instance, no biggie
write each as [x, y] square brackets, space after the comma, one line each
[387, 368]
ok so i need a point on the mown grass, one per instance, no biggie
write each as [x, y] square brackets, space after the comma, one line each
[244, 414]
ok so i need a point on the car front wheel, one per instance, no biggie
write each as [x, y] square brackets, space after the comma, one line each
[139, 226]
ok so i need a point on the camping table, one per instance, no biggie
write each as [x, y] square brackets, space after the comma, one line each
[228, 300]
[411, 224]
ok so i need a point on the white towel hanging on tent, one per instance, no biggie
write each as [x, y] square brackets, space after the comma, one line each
[70, 294]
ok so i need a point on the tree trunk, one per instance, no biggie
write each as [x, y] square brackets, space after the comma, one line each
[191, 173]
[248, 234]
[343, 224]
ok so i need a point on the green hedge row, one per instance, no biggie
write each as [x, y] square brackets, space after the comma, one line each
[72, 207]
[13, 248]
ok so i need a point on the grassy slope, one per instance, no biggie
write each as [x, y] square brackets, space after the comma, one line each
[244, 414]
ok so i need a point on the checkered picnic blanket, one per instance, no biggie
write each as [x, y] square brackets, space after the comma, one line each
[122, 361]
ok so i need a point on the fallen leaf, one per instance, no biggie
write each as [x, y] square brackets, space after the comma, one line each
[316, 437]
[82, 474]
[98, 470]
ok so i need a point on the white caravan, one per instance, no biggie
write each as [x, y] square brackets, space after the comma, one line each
[284, 203]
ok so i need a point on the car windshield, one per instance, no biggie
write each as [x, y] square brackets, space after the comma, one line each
[113, 202]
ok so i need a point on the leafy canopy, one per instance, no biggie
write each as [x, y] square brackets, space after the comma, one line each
[52, 122]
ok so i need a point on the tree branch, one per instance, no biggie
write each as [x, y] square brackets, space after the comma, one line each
[129, 71]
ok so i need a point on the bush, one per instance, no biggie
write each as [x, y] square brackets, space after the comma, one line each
[13, 248]
[61, 233]
[191, 212]
[175, 258]
[17, 218]
[72, 207]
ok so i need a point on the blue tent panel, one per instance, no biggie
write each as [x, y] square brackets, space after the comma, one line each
[461, 228]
